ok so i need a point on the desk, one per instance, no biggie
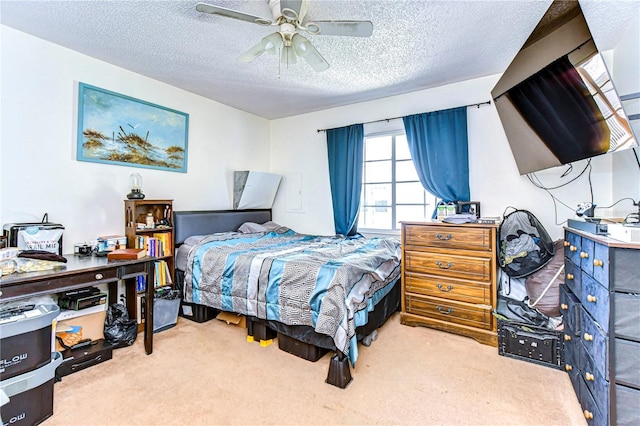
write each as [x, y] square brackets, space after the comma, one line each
[81, 271]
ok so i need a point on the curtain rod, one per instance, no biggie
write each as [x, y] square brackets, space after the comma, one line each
[395, 118]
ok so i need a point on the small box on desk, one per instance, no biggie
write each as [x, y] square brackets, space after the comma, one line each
[527, 342]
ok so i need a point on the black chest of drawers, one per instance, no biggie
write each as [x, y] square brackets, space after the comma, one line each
[600, 303]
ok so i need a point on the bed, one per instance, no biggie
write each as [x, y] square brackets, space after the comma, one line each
[323, 292]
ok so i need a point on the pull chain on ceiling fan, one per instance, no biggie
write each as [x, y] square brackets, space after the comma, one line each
[289, 15]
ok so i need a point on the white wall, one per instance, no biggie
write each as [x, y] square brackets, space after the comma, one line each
[297, 148]
[625, 70]
[39, 172]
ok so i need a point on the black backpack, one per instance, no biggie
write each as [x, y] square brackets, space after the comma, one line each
[524, 245]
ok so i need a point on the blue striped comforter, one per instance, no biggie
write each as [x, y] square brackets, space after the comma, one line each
[328, 283]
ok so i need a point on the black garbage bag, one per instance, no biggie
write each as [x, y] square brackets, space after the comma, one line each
[119, 330]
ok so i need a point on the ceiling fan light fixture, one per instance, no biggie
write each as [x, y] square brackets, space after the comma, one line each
[288, 55]
[269, 44]
[272, 43]
[301, 45]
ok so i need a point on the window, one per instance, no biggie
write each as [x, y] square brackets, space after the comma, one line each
[391, 190]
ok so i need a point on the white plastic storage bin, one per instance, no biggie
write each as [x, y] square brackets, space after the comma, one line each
[25, 339]
[27, 399]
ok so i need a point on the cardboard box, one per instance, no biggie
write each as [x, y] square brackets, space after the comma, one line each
[92, 326]
[232, 318]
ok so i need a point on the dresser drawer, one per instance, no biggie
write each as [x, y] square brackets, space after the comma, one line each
[627, 406]
[570, 309]
[590, 409]
[595, 299]
[448, 237]
[572, 247]
[601, 264]
[573, 277]
[450, 265]
[571, 349]
[587, 250]
[595, 382]
[478, 316]
[627, 315]
[595, 342]
[627, 364]
[448, 288]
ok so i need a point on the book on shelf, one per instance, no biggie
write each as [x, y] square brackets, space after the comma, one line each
[162, 274]
[126, 254]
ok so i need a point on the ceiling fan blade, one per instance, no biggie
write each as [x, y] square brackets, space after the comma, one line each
[228, 13]
[341, 28]
[305, 49]
[268, 44]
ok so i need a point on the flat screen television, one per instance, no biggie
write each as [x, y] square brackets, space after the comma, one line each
[556, 100]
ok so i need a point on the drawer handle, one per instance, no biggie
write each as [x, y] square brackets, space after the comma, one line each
[591, 298]
[569, 276]
[568, 367]
[442, 266]
[598, 262]
[573, 248]
[441, 287]
[588, 337]
[564, 306]
[567, 337]
[584, 255]
[442, 311]
[588, 414]
[444, 238]
[566, 243]
[589, 377]
[99, 276]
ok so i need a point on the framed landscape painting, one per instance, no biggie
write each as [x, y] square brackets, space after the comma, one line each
[118, 129]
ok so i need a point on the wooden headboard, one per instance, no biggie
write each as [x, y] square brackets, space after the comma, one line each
[205, 222]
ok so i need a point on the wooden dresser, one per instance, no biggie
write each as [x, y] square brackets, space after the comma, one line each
[449, 276]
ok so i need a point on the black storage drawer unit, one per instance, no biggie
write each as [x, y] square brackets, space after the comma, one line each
[529, 343]
[197, 313]
[301, 349]
[25, 339]
[81, 358]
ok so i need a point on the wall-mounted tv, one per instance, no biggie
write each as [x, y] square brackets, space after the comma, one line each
[556, 100]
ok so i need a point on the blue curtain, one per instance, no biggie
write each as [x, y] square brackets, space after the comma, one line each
[345, 147]
[439, 149]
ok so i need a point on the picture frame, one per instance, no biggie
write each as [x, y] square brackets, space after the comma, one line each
[117, 129]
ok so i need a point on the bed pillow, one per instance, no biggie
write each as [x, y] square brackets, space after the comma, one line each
[194, 239]
[249, 227]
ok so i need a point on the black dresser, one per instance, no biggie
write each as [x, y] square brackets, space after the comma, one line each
[600, 303]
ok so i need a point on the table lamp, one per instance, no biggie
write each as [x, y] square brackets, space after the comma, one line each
[135, 182]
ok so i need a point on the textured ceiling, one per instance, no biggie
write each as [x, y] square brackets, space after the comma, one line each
[415, 45]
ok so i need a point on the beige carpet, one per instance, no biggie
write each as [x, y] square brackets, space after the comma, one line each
[208, 374]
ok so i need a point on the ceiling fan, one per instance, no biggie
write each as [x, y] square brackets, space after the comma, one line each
[289, 15]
